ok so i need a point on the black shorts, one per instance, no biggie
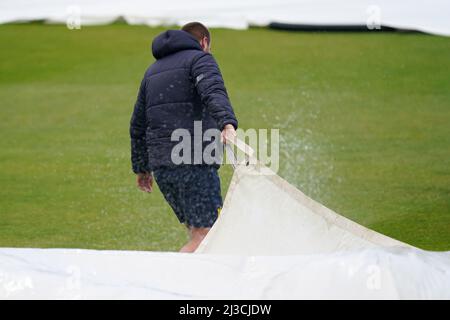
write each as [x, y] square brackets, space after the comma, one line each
[193, 192]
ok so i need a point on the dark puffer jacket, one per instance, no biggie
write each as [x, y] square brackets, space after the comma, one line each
[183, 85]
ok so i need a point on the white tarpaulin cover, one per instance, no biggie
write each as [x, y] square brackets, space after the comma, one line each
[265, 215]
[270, 242]
[428, 16]
[402, 273]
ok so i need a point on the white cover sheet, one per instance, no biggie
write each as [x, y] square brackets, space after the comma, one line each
[428, 16]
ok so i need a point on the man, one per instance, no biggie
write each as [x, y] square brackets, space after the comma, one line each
[182, 87]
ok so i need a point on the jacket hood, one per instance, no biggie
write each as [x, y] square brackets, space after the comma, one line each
[172, 41]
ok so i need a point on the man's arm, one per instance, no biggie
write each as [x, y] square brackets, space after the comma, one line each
[139, 156]
[211, 88]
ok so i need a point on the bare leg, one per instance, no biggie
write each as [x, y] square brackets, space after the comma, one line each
[196, 236]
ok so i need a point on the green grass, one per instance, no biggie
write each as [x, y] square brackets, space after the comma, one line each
[364, 120]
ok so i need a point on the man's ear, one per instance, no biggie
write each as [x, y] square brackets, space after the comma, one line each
[204, 43]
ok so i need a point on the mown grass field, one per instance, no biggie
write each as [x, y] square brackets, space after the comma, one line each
[364, 120]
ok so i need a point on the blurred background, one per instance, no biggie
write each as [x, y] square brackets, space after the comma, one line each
[359, 91]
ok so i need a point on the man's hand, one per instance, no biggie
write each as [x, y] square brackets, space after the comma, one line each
[228, 134]
[145, 182]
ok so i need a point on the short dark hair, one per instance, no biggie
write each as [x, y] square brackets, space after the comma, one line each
[198, 30]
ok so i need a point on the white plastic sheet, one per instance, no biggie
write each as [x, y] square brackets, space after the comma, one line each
[427, 16]
[375, 273]
[264, 215]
